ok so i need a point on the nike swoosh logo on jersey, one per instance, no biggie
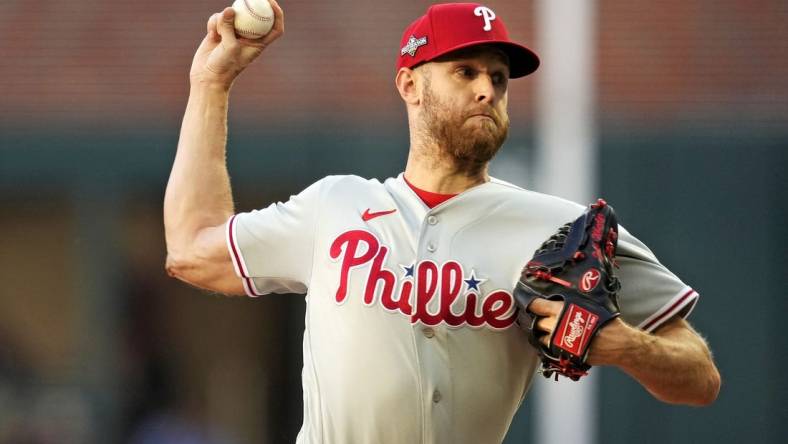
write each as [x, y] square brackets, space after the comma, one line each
[369, 216]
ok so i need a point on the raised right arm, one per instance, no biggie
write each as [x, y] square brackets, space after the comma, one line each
[198, 200]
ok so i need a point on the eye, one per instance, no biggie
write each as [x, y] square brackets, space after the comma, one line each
[499, 78]
[466, 71]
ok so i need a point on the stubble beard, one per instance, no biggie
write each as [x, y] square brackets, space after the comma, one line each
[469, 147]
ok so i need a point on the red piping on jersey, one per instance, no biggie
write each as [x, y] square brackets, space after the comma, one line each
[661, 318]
[247, 281]
[236, 256]
[428, 197]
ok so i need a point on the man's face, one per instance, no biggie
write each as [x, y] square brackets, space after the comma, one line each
[464, 104]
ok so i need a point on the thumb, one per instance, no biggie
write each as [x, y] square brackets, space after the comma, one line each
[225, 25]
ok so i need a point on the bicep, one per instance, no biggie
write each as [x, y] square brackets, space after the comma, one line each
[207, 264]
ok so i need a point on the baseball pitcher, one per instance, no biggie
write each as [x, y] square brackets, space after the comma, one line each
[435, 296]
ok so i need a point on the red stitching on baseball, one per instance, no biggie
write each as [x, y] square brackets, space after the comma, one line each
[254, 13]
[241, 32]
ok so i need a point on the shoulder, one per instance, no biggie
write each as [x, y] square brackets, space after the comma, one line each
[347, 182]
[531, 204]
[343, 181]
[344, 188]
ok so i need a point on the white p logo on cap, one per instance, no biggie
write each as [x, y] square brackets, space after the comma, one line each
[487, 14]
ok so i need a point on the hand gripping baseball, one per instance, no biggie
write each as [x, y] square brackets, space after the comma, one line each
[222, 55]
[574, 266]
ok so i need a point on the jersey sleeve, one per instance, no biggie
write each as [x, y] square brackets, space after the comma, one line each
[272, 248]
[650, 294]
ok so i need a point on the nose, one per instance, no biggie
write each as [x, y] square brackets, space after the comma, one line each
[484, 89]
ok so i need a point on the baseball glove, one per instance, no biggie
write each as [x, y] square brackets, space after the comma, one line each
[574, 266]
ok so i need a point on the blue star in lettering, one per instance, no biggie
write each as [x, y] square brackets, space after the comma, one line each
[473, 283]
[408, 270]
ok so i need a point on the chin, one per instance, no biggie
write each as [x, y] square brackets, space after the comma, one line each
[476, 150]
[487, 137]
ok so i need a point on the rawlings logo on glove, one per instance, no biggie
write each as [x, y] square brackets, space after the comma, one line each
[574, 266]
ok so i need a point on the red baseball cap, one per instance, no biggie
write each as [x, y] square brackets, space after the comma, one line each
[450, 26]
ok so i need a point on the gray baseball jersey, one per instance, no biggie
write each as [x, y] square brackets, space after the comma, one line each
[409, 332]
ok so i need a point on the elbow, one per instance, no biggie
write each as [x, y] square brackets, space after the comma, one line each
[701, 393]
[191, 270]
[171, 266]
[176, 266]
[712, 390]
[711, 384]
[183, 269]
[705, 393]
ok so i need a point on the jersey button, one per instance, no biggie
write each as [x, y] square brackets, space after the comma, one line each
[428, 332]
[431, 247]
[432, 220]
[436, 396]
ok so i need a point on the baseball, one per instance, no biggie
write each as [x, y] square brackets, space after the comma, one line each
[253, 18]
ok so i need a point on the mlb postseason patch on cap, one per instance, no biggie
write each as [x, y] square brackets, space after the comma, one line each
[451, 26]
[413, 45]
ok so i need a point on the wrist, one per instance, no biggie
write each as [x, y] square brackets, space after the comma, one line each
[615, 343]
[201, 84]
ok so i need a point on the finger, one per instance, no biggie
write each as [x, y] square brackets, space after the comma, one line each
[279, 24]
[279, 16]
[225, 26]
[251, 42]
[212, 26]
[543, 307]
[546, 325]
[545, 340]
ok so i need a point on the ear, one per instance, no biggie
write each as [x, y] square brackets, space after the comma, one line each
[406, 85]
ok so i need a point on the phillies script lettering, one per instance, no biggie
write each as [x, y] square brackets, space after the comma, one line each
[359, 248]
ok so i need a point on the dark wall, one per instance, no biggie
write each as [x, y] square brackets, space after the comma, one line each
[712, 206]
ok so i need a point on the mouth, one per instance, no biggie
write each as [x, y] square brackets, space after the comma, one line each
[482, 116]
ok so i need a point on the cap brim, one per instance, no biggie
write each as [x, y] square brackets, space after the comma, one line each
[522, 61]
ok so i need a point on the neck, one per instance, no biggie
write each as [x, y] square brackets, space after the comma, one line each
[430, 169]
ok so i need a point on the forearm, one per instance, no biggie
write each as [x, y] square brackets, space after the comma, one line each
[198, 200]
[675, 365]
[198, 193]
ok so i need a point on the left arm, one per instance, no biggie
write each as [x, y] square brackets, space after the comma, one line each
[674, 363]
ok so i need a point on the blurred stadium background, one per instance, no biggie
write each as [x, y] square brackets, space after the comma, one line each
[97, 345]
